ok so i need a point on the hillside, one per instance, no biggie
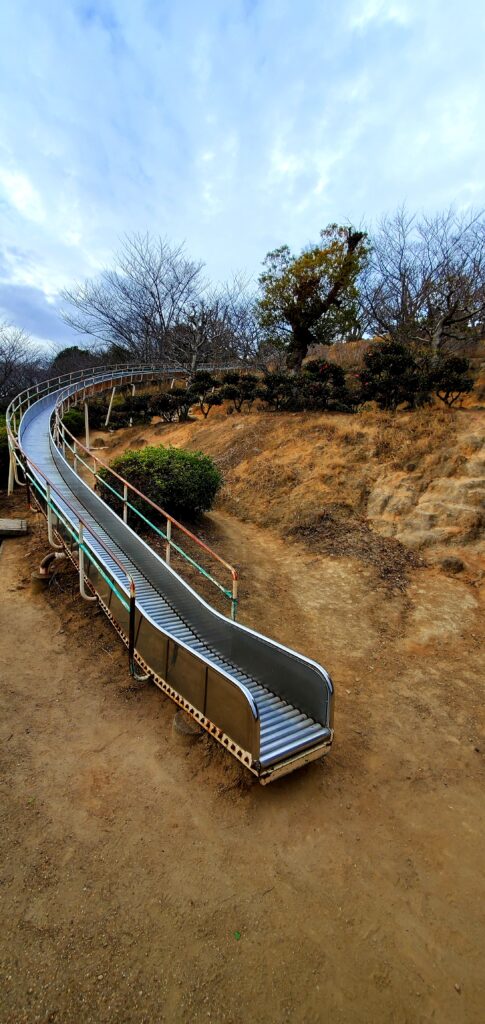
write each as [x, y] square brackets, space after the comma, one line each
[381, 488]
[354, 882]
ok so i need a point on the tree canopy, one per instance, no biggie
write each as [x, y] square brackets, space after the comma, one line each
[312, 298]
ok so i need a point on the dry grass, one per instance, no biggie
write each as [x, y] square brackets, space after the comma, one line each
[406, 439]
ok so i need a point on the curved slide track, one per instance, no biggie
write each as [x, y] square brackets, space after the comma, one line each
[269, 706]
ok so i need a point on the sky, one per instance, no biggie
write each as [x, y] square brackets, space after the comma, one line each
[233, 126]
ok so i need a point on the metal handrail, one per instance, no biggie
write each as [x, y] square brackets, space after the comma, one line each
[61, 430]
[88, 377]
[86, 547]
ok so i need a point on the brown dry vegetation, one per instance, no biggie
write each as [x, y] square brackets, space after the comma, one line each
[388, 488]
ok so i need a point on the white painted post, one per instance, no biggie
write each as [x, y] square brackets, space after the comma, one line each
[125, 501]
[86, 425]
[11, 473]
[108, 414]
[74, 446]
[169, 538]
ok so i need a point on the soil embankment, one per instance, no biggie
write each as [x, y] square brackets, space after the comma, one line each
[143, 881]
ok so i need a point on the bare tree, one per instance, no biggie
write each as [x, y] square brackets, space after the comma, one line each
[20, 362]
[137, 306]
[425, 281]
[204, 333]
[243, 320]
[220, 327]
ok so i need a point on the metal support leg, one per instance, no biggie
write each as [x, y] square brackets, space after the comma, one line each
[131, 642]
[11, 473]
[108, 414]
[82, 586]
[86, 424]
[50, 531]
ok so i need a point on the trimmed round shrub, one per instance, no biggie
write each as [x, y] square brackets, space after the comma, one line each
[391, 377]
[183, 483]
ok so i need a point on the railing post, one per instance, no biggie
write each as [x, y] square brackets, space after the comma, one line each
[74, 451]
[125, 503]
[169, 539]
[108, 414]
[234, 598]
[27, 482]
[82, 586]
[86, 424]
[131, 634]
[11, 472]
[49, 514]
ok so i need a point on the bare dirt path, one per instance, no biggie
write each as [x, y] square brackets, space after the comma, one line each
[144, 882]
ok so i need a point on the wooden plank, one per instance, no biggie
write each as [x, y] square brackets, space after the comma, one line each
[13, 527]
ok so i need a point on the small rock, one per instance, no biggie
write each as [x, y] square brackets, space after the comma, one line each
[457, 987]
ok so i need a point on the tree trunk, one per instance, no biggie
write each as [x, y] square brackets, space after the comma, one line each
[300, 342]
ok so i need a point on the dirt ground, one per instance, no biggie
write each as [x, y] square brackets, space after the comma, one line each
[144, 882]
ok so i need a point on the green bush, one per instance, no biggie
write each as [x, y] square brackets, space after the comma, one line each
[318, 387]
[73, 419]
[165, 405]
[239, 389]
[391, 376]
[4, 456]
[449, 379]
[182, 483]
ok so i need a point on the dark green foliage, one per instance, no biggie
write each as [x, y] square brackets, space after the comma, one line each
[232, 377]
[4, 456]
[133, 410]
[71, 359]
[449, 379]
[216, 398]
[203, 382]
[205, 391]
[318, 387]
[73, 419]
[183, 483]
[391, 376]
[184, 399]
[323, 386]
[240, 389]
[97, 413]
[165, 405]
[97, 417]
[275, 390]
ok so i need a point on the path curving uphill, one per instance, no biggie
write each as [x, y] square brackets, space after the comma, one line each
[269, 706]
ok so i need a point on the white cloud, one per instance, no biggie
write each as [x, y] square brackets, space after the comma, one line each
[233, 127]
[367, 11]
[21, 194]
